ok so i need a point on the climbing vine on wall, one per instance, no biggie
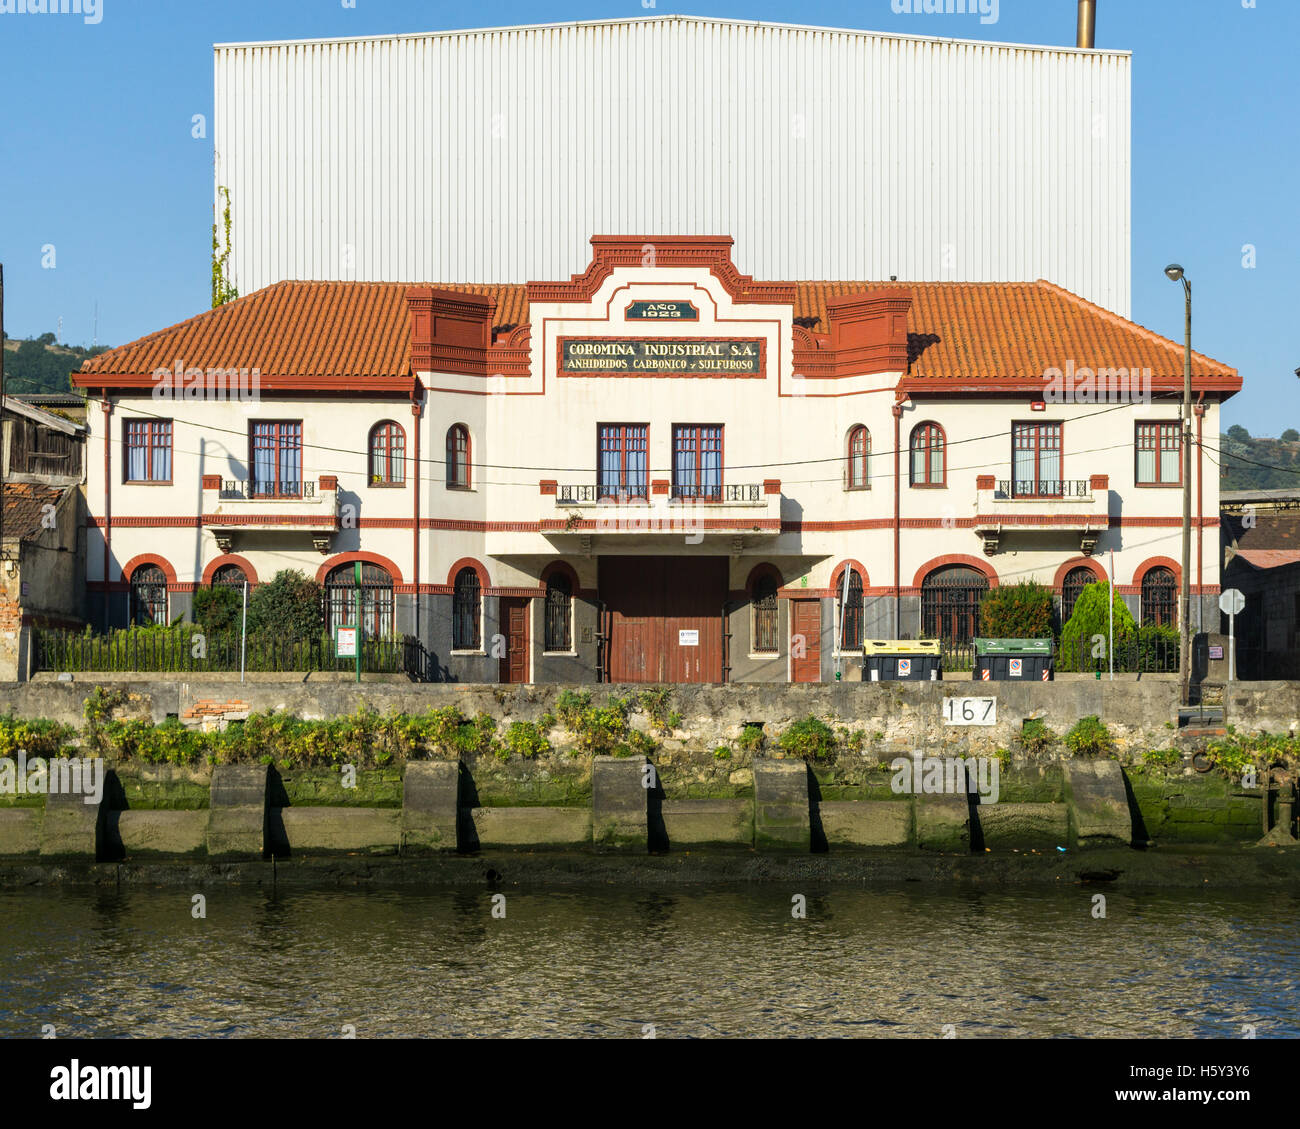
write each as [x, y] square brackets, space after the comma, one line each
[222, 289]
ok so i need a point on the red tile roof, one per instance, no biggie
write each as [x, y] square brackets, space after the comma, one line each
[24, 508]
[1269, 558]
[333, 333]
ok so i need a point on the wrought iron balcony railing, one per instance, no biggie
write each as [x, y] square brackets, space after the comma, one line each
[1043, 488]
[267, 491]
[579, 493]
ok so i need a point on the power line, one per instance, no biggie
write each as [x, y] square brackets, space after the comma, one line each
[355, 452]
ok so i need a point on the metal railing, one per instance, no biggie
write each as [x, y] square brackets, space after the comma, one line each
[575, 493]
[165, 650]
[254, 490]
[1043, 488]
[1148, 652]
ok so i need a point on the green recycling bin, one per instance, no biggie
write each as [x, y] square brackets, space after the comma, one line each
[902, 660]
[1013, 660]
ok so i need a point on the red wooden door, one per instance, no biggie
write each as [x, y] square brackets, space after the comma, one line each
[806, 640]
[514, 618]
[665, 617]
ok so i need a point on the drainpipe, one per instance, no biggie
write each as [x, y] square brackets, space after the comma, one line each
[1200, 528]
[415, 524]
[107, 408]
[898, 594]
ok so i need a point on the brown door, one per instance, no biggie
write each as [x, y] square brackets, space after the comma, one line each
[806, 640]
[514, 617]
[664, 617]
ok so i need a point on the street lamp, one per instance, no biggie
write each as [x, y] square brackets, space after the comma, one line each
[1175, 274]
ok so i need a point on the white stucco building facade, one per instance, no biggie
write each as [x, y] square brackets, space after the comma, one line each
[658, 469]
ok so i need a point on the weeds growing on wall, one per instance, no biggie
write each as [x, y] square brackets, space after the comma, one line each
[1089, 737]
[1035, 736]
[809, 739]
[39, 737]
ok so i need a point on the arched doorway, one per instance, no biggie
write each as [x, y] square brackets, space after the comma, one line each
[950, 603]
[148, 596]
[1076, 580]
[376, 599]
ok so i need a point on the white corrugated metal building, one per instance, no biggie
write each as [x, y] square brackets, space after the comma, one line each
[494, 155]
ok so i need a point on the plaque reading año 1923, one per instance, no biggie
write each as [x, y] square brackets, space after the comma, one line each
[661, 355]
[662, 311]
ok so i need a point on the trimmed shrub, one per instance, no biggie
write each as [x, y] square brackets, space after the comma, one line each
[1091, 618]
[289, 607]
[219, 608]
[1017, 611]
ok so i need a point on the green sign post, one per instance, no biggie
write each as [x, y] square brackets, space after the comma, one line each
[356, 576]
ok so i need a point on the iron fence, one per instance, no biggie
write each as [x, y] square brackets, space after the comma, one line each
[1148, 652]
[188, 649]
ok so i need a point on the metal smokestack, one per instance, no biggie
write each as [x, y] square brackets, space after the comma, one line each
[1087, 24]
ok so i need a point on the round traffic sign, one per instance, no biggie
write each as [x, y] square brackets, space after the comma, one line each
[1231, 601]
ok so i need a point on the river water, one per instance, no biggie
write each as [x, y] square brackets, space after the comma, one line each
[891, 961]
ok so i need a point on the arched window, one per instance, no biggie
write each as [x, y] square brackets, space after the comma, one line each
[1076, 580]
[376, 599]
[762, 599]
[859, 476]
[230, 575]
[1159, 597]
[387, 454]
[851, 612]
[458, 457]
[466, 612]
[559, 612]
[929, 466]
[148, 596]
[950, 603]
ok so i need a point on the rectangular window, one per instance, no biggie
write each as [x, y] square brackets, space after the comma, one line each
[697, 462]
[622, 469]
[1036, 460]
[148, 450]
[276, 458]
[1159, 454]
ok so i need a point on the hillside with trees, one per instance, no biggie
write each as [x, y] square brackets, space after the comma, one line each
[1240, 457]
[40, 364]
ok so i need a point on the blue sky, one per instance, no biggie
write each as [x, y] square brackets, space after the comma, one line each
[95, 132]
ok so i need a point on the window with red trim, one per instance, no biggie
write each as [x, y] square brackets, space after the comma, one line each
[387, 454]
[1036, 460]
[929, 457]
[859, 458]
[276, 448]
[148, 445]
[851, 608]
[458, 457]
[697, 462]
[1159, 454]
[622, 470]
[766, 615]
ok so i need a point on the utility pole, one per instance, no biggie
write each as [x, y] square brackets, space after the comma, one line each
[2, 404]
[1176, 274]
